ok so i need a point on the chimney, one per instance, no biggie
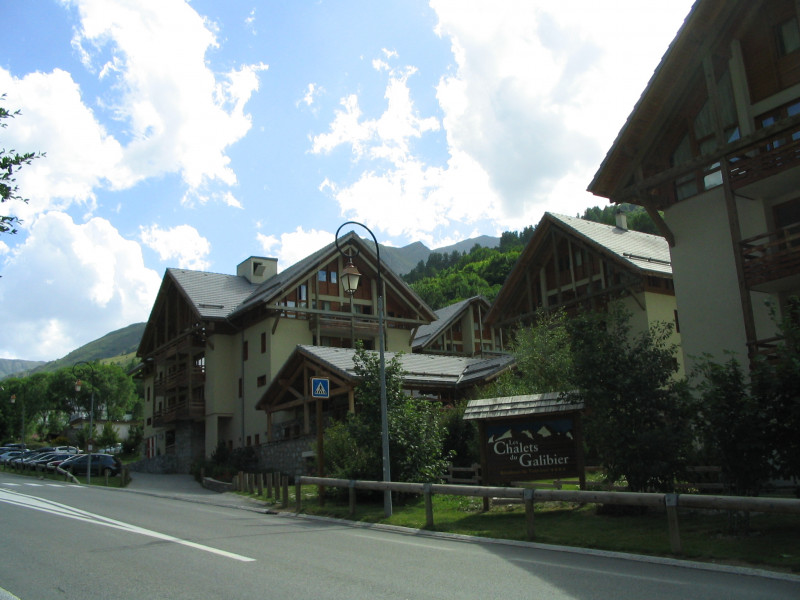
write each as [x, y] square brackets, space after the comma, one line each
[622, 220]
[257, 269]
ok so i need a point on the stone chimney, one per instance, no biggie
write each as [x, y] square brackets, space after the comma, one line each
[257, 269]
[622, 220]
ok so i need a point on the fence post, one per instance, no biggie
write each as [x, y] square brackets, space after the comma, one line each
[269, 485]
[426, 490]
[351, 493]
[671, 502]
[298, 494]
[527, 495]
[277, 482]
[285, 482]
[260, 482]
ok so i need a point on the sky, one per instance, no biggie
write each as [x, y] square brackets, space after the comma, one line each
[196, 134]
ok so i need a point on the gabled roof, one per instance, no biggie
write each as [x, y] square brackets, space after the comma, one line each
[444, 318]
[639, 252]
[213, 295]
[643, 251]
[421, 371]
[276, 286]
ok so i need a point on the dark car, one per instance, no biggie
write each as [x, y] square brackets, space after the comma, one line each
[77, 465]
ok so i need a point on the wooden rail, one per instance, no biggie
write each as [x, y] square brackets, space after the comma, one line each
[670, 502]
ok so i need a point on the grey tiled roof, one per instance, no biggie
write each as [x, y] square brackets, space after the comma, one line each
[642, 250]
[421, 370]
[518, 406]
[444, 317]
[213, 295]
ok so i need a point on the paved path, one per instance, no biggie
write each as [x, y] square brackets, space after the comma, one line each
[185, 487]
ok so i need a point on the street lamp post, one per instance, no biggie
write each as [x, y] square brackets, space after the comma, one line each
[350, 277]
[91, 413]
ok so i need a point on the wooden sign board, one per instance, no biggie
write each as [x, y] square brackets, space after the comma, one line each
[532, 449]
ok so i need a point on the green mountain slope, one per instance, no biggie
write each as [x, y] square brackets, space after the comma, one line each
[118, 346]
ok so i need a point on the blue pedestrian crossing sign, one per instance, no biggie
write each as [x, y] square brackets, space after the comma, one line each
[320, 387]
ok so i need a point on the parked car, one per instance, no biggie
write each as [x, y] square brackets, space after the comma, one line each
[40, 462]
[101, 463]
[6, 458]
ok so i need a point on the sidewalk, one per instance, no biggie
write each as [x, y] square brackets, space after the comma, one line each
[184, 487]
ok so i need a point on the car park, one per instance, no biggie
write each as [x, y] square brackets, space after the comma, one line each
[101, 463]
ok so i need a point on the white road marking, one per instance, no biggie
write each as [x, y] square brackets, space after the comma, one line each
[62, 510]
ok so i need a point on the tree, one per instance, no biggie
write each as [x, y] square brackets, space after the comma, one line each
[734, 427]
[637, 413]
[543, 357]
[10, 160]
[416, 434]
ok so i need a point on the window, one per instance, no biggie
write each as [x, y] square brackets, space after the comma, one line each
[263, 342]
[240, 387]
[322, 275]
[788, 37]
[261, 381]
[333, 277]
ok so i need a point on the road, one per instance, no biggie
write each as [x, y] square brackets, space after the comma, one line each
[61, 541]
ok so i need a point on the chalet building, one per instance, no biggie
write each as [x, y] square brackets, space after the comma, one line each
[458, 329]
[574, 264]
[713, 145]
[214, 342]
[218, 351]
[437, 378]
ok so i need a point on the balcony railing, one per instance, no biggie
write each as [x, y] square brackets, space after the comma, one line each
[180, 378]
[184, 410]
[770, 257]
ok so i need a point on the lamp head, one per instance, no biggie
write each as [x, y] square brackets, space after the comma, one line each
[350, 276]
[78, 385]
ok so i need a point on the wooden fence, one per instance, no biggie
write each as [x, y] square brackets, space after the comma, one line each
[529, 496]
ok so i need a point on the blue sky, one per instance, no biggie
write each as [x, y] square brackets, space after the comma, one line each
[196, 134]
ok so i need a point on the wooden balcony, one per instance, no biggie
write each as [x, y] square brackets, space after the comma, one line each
[183, 410]
[341, 325]
[768, 158]
[179, 379]
[771, 261]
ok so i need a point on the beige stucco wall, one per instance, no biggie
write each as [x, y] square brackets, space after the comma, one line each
[706, 284]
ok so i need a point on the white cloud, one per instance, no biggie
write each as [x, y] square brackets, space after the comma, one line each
[537, 95]
[172, 114]
[294, 246]
[69, 284]
[541, 89]
[183, 243]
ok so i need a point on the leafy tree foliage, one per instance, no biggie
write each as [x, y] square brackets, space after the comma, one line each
[416, 435]
[734, 427]
[543, 356]
[50, 398]
[749, 424]
[637, 413]
[9, 161]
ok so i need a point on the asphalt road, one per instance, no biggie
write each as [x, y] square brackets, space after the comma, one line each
[62, 541]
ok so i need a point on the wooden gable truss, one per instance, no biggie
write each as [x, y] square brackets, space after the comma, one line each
[560, 270]
[331, 313]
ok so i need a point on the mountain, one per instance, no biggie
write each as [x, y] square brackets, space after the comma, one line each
[402, 260]
[117, 346]
[9, 366]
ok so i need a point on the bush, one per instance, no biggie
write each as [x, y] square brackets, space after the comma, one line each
[353, 447]
[637, 415]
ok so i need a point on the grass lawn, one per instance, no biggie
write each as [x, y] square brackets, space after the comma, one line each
[771, 542]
